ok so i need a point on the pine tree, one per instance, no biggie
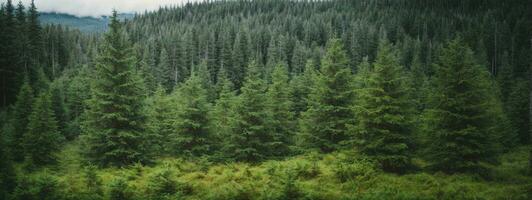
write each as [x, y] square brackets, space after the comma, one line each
[280, 103]
[324, 124]
[34, 36]
[251, 125]
[164, 71]
[302, 86]
[239, 59]
[114, 125]
[7, 177]
[21, 38]
[43, 138]
[383, 112]
[222, 113]
[8, 55]
[461, 130]
[192, 134]
[160, 121]
[21, 113]
[59, 107]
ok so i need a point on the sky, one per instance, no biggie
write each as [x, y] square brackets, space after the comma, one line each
[97, 8]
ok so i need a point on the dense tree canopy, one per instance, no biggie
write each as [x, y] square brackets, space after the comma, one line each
[309, 99]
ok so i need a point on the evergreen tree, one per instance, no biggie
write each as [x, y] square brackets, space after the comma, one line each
[251, 137]
[301, 87]
[43, 138]
[34, 36]
[160, 121]
[7, 177]
[461, 130]
[114, 125]
[517, 104]
[221, 114]
[21, 113]
[383, 112]
[192, 134]
[240, 59]
[280, 104]
[164, 71]
[324, 124]
[59, 107]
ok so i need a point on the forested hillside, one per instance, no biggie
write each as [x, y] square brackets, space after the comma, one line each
[271, 99]
[84, 24]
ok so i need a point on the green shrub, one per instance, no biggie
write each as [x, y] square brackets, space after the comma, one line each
[358, 170]
[119, 190]
[37, 187]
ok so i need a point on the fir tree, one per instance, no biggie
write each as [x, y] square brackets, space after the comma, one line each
[7, 177]
[324, 124]
[34, 36]
[43, 138]
[251, 125]
[114, 125]
[383, 112]
[280, 104]
[192, 134]
[461, 131]
[164, 71]
[302, 86]
[222, 113]
[21, 113]
[160, 121]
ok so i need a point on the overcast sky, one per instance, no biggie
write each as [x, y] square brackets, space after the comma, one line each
[99, 7]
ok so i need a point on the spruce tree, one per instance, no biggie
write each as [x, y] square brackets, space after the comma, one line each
[221, 114]
[461, 130]
[164, 71]
[324, 124]
[7, 177]
[383, 112]
[301, 88]
[34, 37]
[251, 125]
[43, 138]
[21, 113]
[192, 133]
[114, 122]
[160, 121]
[280, 103]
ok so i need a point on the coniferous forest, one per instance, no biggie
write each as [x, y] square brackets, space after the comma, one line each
[270, 99]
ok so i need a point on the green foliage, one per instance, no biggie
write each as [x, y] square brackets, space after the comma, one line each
[251, 138]
[20, 120]
[301, 88]
[160, 126]
[461, 129]
[38, 187]
[120, 190]
[517, 107]
[191, 125]
[114, 123]
[383, 112]
[43, 138]
[7, 177]
[324, 124]
[280, 103]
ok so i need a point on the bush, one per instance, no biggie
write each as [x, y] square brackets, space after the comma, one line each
[162, 186]
[38, 187]
[119, 190]
[357, 170]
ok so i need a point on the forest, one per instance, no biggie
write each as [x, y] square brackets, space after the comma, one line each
[270, 99]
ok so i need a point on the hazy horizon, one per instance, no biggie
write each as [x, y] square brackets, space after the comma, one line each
[96, 8]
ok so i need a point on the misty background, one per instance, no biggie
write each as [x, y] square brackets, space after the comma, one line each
[96, 8]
